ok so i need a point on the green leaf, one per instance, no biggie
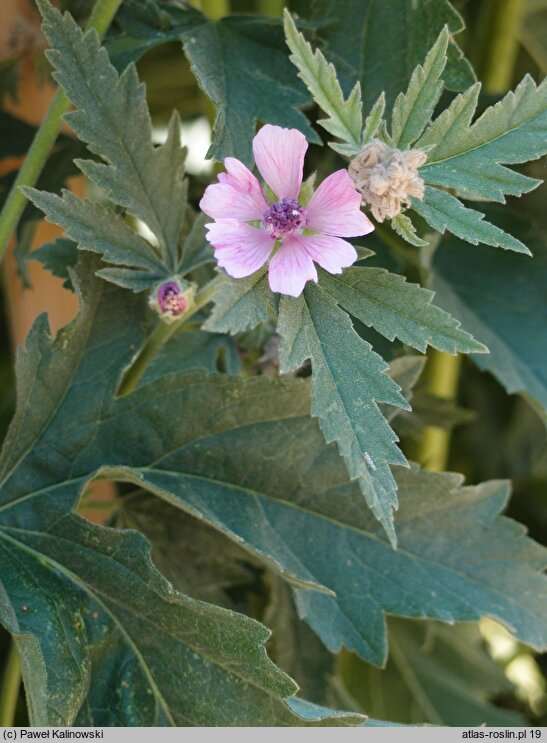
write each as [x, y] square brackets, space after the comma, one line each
[296, 648]
[501, 298]
[194, 349]
[379, 43]
[442, 211]
[344, 115]
[139, 34]
[405, 372]
[241, 64]
[348, 381]
[397, 309]
[435, 674]
[58, 257]
[430, 410]
[195, 250]
[55, 174]
[405, 229]
[264, 477]
[104, 638]
[471, 157]
[241, 305]
[244, 456]
[413, 110]
[374, 120]
[533, 35]
[112, 118]
[101, 230]
[194, 557]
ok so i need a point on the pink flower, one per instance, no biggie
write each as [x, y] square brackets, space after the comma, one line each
[247, 229]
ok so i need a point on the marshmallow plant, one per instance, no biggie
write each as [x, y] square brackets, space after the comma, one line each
[244, 367]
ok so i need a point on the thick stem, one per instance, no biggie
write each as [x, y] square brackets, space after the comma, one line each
[9, 691]
[443, 379]
[273, 8]
[213, 9]
[100, 19]
[162, 333]
[499, 22]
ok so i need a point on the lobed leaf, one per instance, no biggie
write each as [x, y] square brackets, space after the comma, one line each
[241, 305]
[244, 456]
[242, 66]
[397, 309]
[344, 115]
[348, 381]
[471, 157]
[437, 675]
[442, 211]
[380, 43]
[100, 229]
[501, 297]
[413, 110]
[112, 117]
[104, 638]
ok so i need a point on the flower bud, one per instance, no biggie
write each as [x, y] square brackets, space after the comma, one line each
[172, 298]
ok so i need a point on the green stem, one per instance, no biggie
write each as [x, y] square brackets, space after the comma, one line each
[9, 691]
[443, 381]
[213, 9]
[162, 333]
[499, 22]
[100, 19]
[272, 8]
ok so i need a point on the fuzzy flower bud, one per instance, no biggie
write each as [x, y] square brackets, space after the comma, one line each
[171, 298]
[387, 178]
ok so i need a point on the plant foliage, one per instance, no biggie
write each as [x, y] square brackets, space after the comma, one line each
[269, 547]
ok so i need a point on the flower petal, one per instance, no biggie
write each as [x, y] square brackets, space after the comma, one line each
[279, 156]
[334, 208]
[332, 253]
[239, 248]
[237, 195]
[290, 268]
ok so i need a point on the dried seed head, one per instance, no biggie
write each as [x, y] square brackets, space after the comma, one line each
[387, 178]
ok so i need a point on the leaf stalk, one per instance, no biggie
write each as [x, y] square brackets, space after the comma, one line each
[162, 333]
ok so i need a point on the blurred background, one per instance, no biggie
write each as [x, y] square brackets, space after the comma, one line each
[485, 433]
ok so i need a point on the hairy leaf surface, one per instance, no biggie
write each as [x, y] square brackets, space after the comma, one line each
[241, 305]
[348, 381]
[445, 212]
[380, 43]
[104, 638]
[471, 157]
[345, 118]
[435, 674]
[112, 118]
[501, 298]
[396, 308]
[413, 109]
[240, 62]
[244, 456]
